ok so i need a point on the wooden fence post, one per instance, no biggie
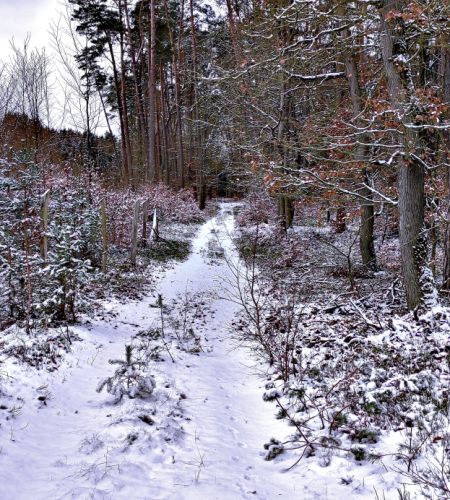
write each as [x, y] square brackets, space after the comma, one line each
[144, 222]
[104, 237]
[44, 217]
[154, 233]
[134, 233]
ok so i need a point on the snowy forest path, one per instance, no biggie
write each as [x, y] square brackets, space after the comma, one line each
[77, 445]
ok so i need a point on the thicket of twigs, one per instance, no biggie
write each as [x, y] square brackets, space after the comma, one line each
[350, 368]
[62, 236]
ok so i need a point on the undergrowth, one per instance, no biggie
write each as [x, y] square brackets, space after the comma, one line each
[349, 368]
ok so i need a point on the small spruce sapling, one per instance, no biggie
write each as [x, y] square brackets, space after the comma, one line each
[129, 379]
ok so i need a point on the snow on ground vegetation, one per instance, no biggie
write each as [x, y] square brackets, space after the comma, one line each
[224, 380]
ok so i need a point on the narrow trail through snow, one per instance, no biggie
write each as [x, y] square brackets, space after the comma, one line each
[219, 454]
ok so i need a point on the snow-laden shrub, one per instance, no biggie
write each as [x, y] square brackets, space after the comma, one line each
[130, 379]
[345, 379]
[45, 350]
[348, 373]
[63, 274]
[431, 473]
[172, 206]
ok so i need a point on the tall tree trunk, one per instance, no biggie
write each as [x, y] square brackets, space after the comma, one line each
[367, 223]
[179, 129]
[445, 71]
[411, 175]
[165, 169]
[153, 174]
[197, 134]
[123, 98]
[139, 96]
[108, 125]
[366, 239]
[176, 61]
[233, 32]
[176, 54]
[124, 151]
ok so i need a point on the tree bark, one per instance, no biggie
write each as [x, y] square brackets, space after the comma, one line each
[134, 233]
[411, 175]
[139, 97]
[445, 63]
[104, 237]
[176, 62]
[153, 174]
[124, 151]
[44, 218]
[366, 237]
[176, 54]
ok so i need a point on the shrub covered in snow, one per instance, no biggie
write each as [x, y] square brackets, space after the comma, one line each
[348, 369]
[172, 206]
[43, 265]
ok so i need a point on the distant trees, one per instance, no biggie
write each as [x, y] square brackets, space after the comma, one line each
[25, 88]
[83, 102]
[146, 58]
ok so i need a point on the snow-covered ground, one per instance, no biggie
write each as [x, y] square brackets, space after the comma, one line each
[199, 436]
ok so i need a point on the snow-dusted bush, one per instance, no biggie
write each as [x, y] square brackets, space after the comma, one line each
[259, 208]
[47, 269]
[44, 350]
[19, 208]
[431, 473]
[172, 206]
[345, 379]
[393, 376]
[63, 274]
[130, 378]
[187, 312]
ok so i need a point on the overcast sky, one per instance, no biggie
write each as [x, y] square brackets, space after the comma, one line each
[19, 17]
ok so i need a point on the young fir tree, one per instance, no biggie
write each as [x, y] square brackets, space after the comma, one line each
[129, 379]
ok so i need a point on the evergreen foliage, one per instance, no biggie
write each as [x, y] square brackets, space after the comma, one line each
[129, 379]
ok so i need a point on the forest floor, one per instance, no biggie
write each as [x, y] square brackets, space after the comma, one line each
[200, 435]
